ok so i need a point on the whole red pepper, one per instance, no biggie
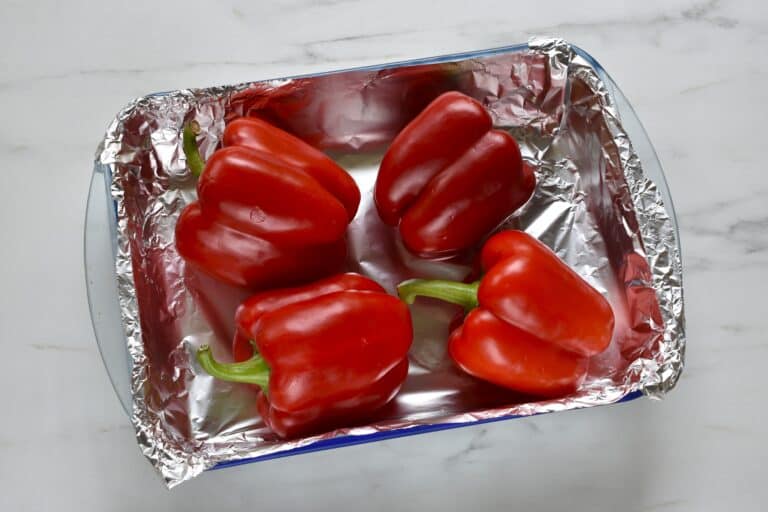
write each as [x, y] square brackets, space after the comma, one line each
[532, 321]
[327, 353]
[271, 209]
[449, 179]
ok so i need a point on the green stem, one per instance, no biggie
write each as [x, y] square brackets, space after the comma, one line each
[463, 294]
[252, 371]
[191, 151]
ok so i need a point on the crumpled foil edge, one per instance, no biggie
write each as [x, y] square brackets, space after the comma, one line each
[659, 243]
[654, 377]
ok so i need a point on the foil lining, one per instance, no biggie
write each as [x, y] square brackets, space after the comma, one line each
[593, 205]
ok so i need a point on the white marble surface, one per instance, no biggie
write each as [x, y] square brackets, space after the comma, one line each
[695, 73]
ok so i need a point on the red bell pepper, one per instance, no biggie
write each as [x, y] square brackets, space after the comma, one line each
[327, 354]
[532, 321]
[449, 179]
[271, 209]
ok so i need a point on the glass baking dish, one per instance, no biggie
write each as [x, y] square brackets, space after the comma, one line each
[101, 246]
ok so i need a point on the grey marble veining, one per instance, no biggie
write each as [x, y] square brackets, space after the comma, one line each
[694, 72]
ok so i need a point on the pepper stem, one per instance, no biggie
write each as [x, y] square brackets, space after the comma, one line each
[252, 371]
[463, 294]
[191, 151]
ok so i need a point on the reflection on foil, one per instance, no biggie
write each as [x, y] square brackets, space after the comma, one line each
[593, 206]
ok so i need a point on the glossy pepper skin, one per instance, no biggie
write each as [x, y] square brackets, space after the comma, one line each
[271, 209]
[449, 178]
[327, 354]
[532, 322]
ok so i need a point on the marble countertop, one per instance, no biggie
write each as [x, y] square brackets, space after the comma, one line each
[694, 73]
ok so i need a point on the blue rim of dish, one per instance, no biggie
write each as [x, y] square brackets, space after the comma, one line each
[351, 440]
